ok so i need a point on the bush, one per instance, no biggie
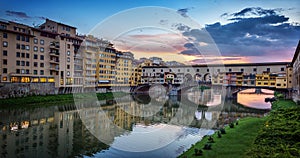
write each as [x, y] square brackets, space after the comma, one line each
[222, 130]
[198, 152]
[207, 146]
[231, 125]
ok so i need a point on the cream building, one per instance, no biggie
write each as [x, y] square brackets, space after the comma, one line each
[296, 74]
[43, 54]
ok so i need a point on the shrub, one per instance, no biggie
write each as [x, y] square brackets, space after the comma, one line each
[207, 146]
[231, 125]
[222, 130]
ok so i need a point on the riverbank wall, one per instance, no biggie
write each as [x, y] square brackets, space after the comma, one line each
[14, 90]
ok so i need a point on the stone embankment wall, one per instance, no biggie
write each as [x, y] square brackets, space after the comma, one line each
[12, 90]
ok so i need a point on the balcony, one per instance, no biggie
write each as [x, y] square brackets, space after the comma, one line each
[54, 68]
[56, 54]
[54, 45]
[54, 61]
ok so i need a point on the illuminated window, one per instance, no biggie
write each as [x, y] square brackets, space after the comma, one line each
[43, 79]
[35, 41]
[34, 79]
[14, 79]
[25, 79]
[51, 80]
[4, 78]
[42, 42]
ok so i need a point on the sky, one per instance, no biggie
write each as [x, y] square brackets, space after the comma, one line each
[188, 31]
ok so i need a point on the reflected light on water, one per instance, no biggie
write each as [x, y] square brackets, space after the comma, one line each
[254, 100]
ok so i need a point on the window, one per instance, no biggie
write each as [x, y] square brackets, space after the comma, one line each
[17, 71]
[4, 61]
[22, 63]
[18, 37]
[41, 64]
[18, 62]
[268, 69]
[4, 53]
[35, 56]
[41, 57]
[5, 44]
[207, 70]
[4, 35]
[153, 70]
[178, 70]
[22, 46]
[197, 70]
[68, 53]
[282, 69]
[254, 69]
[68, 73]
[35, 72]
[18, 46]
[27, 39]
[68, 66]
[23, 55]
[42, 42]
[35, 41]
[42, 49]
[27, 55]
[18, 54]
[188, 70]
[68, 46]
[35, 64]
[27, 63]
[35, 48]
[242, 70]
[68, 59]
[23, 38]
[4, 70]
[41, 72]
[230, 70]
[218, 70]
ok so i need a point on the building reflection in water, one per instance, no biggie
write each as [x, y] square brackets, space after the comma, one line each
[69, 130]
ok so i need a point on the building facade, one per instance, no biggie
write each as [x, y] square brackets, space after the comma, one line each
[275, 75]
[296, 74]
[43, 54]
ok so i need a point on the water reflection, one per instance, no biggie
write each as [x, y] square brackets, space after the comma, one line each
[251, 99]
[131, 126]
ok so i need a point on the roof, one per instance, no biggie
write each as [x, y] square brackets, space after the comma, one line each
[225, 65]
[296, 53]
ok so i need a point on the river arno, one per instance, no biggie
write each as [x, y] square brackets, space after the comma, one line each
[126, 127]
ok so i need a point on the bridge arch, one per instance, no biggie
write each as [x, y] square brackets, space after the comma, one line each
[207, 77]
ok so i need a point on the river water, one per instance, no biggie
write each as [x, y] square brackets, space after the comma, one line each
[131, 126]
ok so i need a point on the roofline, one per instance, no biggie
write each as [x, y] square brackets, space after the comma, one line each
[225, 65]
[296, 54]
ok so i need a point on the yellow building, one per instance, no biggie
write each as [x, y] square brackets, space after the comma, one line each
[124, 67]
[106, 68]
[262, 80]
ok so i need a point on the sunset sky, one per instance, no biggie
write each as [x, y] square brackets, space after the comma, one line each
[242, 30]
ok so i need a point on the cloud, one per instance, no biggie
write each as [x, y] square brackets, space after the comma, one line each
[250, 32]
[183, 12]
[17, 14]
[256, 11]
